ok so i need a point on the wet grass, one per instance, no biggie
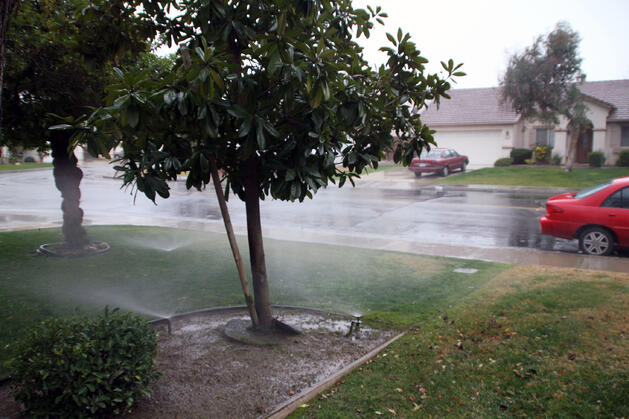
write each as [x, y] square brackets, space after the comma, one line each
[532, 342]
[24, 166]
[537, 176]
[198, 271]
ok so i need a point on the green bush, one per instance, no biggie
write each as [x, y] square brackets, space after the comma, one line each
[542, 153]
[520, 154]
[505, 161]
[556, 159]
[29, 159]
[84, 367]
[623, 159]
[596, 158]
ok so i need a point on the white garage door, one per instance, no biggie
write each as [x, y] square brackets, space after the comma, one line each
[483, 148]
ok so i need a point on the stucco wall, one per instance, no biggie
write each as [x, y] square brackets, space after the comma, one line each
[612, 139]
[601, 140]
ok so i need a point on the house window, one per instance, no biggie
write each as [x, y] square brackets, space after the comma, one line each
[624, 136]
[545, 136]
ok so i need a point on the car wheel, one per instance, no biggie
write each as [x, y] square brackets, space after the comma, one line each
[418, 174]
[596, 241]
[463, 167]
[445, 171]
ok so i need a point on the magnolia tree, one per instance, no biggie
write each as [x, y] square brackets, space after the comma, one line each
[542, 83]
[272, 93]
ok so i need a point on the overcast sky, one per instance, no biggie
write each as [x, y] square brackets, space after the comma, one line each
[484, 33]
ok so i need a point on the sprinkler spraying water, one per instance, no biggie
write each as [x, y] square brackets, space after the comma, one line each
[355, 324]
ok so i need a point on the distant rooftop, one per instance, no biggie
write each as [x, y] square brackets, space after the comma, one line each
[614, 92]
[483, 106]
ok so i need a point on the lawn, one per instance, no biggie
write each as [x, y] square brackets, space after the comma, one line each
[504, 341]
[24, 166]
[532, 342]
[156, 271]
[537, 176]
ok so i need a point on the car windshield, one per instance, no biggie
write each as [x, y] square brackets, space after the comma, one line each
[590, 191]
[433, 154]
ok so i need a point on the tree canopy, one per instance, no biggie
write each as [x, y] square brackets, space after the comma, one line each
[542, 81]
[273, 93]
[59, 57]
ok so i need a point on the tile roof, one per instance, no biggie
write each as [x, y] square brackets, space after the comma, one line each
[614, 92]
[484, 107]
[471, 107]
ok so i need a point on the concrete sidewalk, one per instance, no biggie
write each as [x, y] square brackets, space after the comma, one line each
[30, 220]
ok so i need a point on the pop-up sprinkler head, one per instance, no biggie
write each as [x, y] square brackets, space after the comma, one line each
[170, 326]
[355, 324]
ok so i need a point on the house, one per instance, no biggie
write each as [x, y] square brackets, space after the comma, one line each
[476, 123]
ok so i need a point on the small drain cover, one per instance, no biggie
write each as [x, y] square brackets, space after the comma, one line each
[466, 271]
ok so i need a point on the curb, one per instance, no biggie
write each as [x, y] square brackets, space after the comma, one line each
[288, 407]
[526, 190]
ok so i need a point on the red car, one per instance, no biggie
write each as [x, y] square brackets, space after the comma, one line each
[597, 216]
[438, 160]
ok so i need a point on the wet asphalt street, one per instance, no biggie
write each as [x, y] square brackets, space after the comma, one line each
[388, 210]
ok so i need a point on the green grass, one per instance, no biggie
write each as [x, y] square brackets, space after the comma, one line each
[533, 342]
[383, 167]
[537, 176]
[393, 288]
[24, 166]
[507, 341]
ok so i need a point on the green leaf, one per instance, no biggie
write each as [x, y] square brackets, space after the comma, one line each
[133, 116]
[392, 39]
[60, 127]
[238, 111]
[316, 101]
[245, 127]
[271, 130]
[326, 90]
[260, 138]
[275, 62]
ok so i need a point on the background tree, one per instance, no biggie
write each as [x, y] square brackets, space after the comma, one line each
[59, 58]
[271, 93]
[6, 10]
[542, 83]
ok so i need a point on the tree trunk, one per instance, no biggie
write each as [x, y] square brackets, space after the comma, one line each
[256, 246]
[6, 8]
[571, 152]
[232, 242]
[67, 179]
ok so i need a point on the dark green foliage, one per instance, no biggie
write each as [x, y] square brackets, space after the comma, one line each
[520, 154]
[505, 161]
[555, 159]
[29, 159]
[84, 367]
[623, 159]
[542, 82]
[596, 158]
[59, 57]
[279, 89]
